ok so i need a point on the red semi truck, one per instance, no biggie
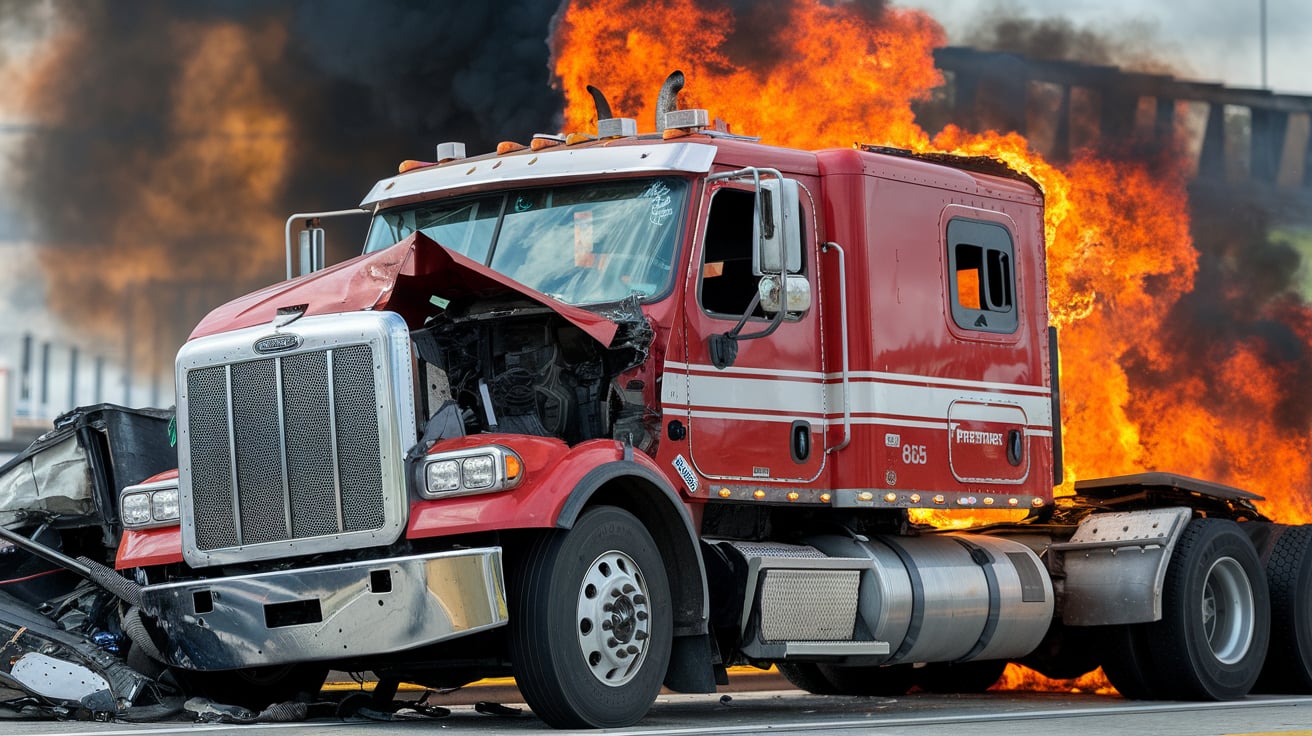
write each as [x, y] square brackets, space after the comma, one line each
[612, 411]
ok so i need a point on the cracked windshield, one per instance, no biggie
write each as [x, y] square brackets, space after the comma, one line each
[582, 244]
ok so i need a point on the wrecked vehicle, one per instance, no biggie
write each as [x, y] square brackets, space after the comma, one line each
[64, 638]
[612, 411]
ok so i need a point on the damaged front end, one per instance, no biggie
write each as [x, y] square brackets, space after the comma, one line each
[518, 367]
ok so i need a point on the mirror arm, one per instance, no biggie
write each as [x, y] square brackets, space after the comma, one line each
[287, 228]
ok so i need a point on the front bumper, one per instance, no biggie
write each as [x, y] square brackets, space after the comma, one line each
[330, 612]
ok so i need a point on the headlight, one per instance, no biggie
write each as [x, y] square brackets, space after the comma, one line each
[444, 475]
[476, 470]
[150, 504]
[136, 509]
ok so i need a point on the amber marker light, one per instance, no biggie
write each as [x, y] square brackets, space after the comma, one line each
[890, 497]
[794, 495]
[505, 147]
[825, 498]
[865, 496]
[410, 165]
[513, 467]
[758, 494]
[725, 493]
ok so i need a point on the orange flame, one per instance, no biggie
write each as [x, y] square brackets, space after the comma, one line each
[1120, 255]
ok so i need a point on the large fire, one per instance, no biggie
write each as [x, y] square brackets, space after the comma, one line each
[1120, 256]
[818, 74]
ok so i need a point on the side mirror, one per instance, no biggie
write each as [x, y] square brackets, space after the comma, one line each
[779, 240]
[799, 295]
[312, 250]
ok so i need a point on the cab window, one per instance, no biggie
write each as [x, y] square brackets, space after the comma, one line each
[982, 276]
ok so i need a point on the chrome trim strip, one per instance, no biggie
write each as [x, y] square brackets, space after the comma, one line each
[282, 443]
[232, 453]
[332, 438]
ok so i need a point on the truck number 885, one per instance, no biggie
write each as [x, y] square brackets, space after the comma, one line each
[914, 454]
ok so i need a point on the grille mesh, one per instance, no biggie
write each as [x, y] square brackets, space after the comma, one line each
[211, 461]
[293, 481]
[357, 438]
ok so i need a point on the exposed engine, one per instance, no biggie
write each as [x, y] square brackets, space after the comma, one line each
[519, 367]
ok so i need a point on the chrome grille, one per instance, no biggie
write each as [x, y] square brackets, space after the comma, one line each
[298, 452]
[293, 433]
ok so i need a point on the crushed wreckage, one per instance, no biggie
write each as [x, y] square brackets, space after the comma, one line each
[74, 646]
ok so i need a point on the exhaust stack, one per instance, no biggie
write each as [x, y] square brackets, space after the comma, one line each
[668, 99]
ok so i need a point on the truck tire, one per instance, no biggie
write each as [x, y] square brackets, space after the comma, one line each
[590, 625]
[1216, 611]
[1127, 662]
[1288, 667]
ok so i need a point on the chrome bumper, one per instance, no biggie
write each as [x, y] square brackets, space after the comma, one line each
[330, 612]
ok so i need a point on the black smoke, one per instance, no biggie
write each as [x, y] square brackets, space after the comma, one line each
[361, 86]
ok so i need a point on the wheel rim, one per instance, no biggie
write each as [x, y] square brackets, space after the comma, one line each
[1228, 610]
[614, 618]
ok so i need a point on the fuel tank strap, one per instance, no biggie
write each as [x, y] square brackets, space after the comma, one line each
[985, 560]
[917, 599]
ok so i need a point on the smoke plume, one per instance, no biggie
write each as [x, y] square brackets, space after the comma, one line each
[173, 139]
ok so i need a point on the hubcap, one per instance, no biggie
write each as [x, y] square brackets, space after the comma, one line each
[614, 618]
[1227, 610]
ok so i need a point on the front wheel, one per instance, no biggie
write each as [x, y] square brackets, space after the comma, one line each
[590, 629]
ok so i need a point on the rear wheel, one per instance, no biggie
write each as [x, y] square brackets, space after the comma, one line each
[1288, 667]
[590, 628]
[1128, 663]
[1212, 639]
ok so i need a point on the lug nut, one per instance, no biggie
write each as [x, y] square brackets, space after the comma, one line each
[628, 588]
[614, 592]
[621, 654]
[640, 635]
[606, 625]
[642, 615]
[640, 599]
[631, 649]
[612, 642]
[607, 607]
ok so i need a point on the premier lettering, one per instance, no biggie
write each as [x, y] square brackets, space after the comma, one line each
[974, 437]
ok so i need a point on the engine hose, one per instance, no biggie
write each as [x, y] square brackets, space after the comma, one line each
[112, 581]
[136, 630]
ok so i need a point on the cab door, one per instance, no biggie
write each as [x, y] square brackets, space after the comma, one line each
[761, 416]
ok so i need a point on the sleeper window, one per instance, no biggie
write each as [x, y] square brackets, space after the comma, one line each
[982, 276]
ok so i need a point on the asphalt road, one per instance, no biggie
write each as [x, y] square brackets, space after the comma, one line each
[790, 711]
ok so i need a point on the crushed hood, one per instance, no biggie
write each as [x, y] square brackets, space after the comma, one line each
[404, 279]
